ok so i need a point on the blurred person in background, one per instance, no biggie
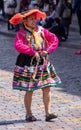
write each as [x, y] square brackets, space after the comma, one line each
[77, 9]
[52, 15]
[2, 7]
[33, 5]
[24, 5]
[17, 10]
[64, 9]
[10, 11]
[46, 7]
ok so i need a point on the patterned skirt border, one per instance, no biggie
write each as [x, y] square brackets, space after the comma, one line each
[32, 89]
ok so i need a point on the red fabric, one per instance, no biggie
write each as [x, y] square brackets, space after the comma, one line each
[20, 46]
[16, 19]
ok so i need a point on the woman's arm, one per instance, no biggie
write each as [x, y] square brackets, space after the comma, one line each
[20, 45]
[52, 41]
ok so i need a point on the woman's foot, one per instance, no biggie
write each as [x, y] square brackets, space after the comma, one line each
[78, 52]
[31, 118]
[51, 116]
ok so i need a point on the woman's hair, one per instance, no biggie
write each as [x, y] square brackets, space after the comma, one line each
[52, 6]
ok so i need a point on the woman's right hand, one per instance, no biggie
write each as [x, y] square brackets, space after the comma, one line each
[37, 56]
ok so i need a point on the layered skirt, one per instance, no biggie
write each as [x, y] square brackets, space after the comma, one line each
[28, 78]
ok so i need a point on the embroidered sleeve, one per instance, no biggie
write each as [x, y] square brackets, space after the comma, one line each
[52, 41]
[20, 46]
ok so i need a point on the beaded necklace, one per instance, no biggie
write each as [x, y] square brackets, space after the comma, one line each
[32, 39]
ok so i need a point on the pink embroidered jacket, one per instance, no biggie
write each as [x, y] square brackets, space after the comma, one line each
[21, 47]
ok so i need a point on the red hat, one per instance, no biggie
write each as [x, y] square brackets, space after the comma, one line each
[16, 19]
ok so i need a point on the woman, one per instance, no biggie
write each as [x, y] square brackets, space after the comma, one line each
[10, 11]
[34, 43]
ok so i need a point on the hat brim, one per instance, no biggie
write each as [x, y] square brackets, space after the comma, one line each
[17, 18]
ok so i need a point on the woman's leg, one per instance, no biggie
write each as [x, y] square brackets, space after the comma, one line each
[8, 25]
[47, 103]
[27, 102]
[79, 20]
[47, 99]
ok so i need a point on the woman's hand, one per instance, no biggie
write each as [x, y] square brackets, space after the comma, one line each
[43, 53]
[37, 56]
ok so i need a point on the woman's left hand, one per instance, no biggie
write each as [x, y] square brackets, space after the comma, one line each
[43, 53]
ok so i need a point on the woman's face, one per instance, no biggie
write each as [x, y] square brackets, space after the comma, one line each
[30, 22]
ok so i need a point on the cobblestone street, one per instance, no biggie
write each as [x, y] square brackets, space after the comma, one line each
[66, 98]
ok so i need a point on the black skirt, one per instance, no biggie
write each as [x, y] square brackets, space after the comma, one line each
[25, 60]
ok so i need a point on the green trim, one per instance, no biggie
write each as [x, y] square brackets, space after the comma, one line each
[32, 89]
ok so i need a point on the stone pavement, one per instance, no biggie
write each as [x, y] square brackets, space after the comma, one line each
[66, 98]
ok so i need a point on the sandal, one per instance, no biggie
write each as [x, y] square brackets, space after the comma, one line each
[51, 116]
[31, 118]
